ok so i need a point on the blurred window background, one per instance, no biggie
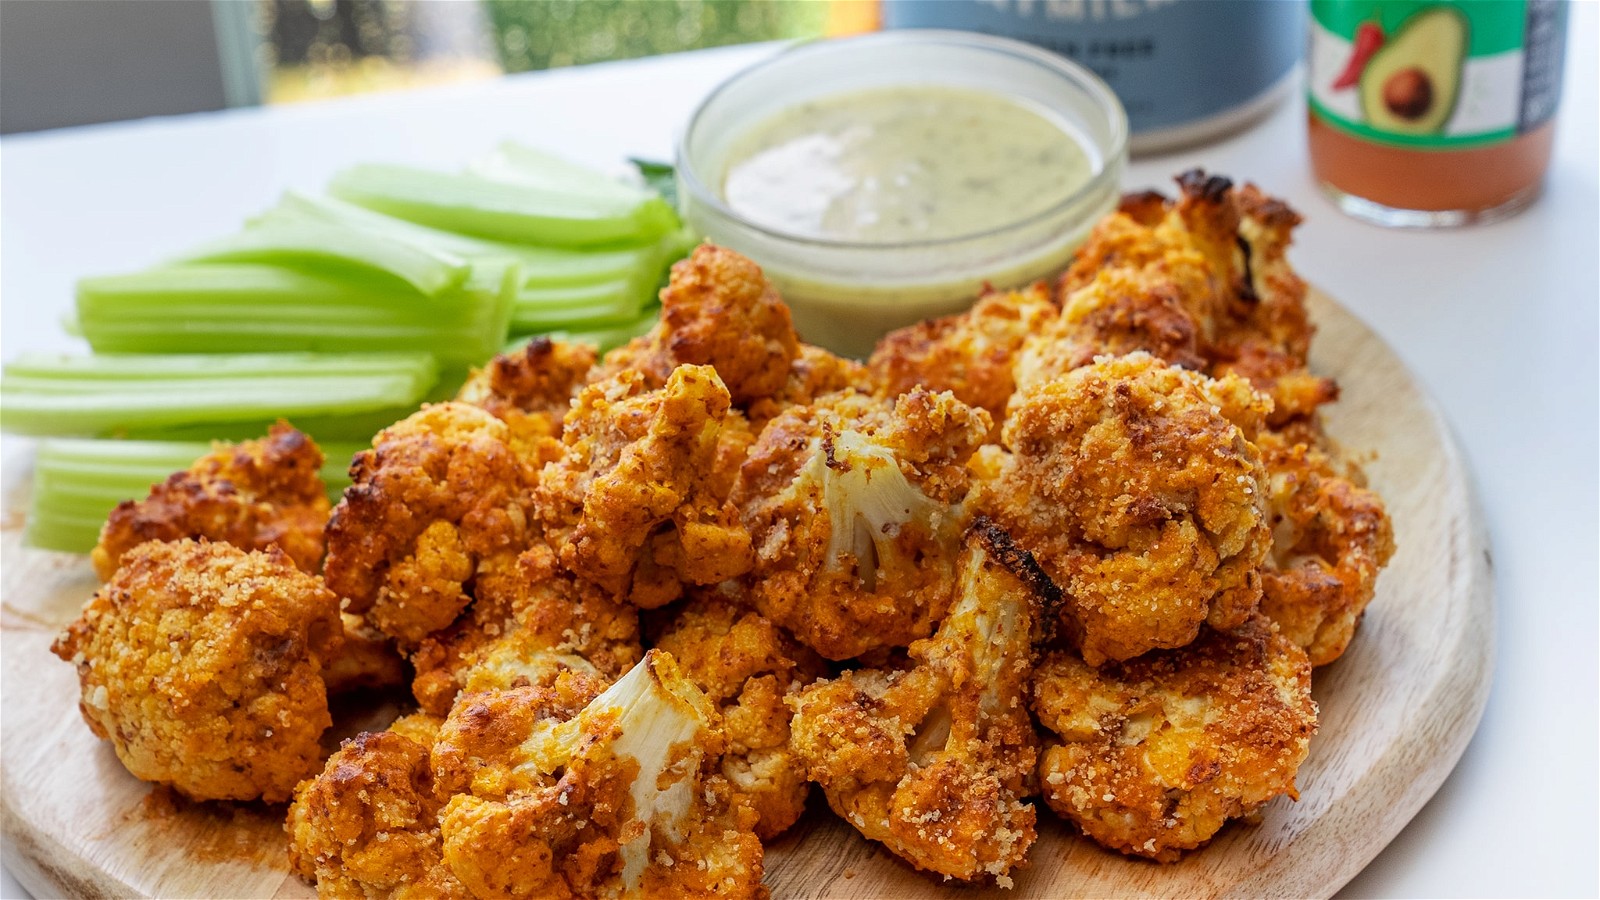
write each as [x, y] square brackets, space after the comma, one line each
[69, 62]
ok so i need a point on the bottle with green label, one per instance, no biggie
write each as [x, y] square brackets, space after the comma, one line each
[1427, 113]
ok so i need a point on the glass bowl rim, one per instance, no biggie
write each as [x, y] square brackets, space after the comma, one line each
[1081, 77]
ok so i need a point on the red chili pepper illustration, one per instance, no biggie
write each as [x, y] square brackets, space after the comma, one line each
[1369, 37]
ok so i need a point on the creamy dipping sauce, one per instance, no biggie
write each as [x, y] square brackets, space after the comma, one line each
[901, 164]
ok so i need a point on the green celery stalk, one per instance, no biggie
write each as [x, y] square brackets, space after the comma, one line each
[235, 308]
[431, 272]
[325, 429]
[521, 164]
[502, 210]
[43, 394]
[547, 309]
[539, 265]
[607, 337]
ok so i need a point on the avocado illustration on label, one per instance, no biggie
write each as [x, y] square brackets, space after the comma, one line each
[1410, 84]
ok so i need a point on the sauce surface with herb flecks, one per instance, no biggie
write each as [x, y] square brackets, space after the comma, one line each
[903, 164]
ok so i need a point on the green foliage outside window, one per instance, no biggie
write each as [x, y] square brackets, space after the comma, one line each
[544, 34]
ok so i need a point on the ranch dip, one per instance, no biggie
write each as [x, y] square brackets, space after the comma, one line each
[903, 164]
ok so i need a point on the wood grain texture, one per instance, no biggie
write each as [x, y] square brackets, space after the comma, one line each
[1397, 711]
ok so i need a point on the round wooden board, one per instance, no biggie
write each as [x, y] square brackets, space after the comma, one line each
[1397, 712]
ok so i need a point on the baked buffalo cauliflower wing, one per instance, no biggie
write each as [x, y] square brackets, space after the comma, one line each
[633, 505]
[852, 505]
[368, 824]
[549, 621]
[932, 760]
[531, 390]
[202, 664]
[1202, 282]
[747, 666]
[972, 354]
[619, 800]
[1136, 486]
[1330, 537]
[717, 310]
[253, 495]
[438, 512]
[1152, 756]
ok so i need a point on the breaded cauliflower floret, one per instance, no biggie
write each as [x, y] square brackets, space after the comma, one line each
[971, 355]
[439, 507]
[1152, 756]
[633, 504]
[851, 504]
[1201, 282]
[202, 665]
[1331, 536]
[1138, 489]
[550, 615]
[621, 799]
[1119, 311]
[717, 310]
[747, 666]
[253, 495]
[531, 390]
[368, 824]
[933, 760]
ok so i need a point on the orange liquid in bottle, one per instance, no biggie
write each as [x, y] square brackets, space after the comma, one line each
[1405, 186]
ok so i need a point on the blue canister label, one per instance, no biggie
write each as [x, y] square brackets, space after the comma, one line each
[1171, 62]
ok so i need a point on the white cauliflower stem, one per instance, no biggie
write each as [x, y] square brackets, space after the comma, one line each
[659, 722]
[868, 499]
[563, 790]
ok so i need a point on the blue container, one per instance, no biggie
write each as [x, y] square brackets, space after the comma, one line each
[1186, 70]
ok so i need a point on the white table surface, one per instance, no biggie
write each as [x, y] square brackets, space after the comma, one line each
[1499, 322]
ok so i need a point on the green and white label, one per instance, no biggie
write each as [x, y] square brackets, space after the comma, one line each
[1430, 74]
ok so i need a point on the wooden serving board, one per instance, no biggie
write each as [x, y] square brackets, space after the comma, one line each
[1397, 712]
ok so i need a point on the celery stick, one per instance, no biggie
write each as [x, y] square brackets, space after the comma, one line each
[546, 309]
[335, 428]
[501, 210]
[540, 265]
[122, 367]
[78, 482]
[606, 337]
[521, 164]
[330, 428]
[233, 308]
[45, 394]
[430, 271]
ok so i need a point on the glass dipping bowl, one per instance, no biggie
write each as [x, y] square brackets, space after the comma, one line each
[844, 294]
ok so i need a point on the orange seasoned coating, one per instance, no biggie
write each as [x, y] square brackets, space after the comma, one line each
[1202, 282]
[933, 760]
[1152, 756]
[368, 824]
[633, 505]
[617, 798]
[852, 505]
[971, 354]
[1331, 536]
[548, 615]
[366, 658]
[539, 380]
[531, 390]
[440, 507]
[747, 666]
[717, 310]
[253, 495]
[202, 664]
[815, 373]
[1137, 487]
